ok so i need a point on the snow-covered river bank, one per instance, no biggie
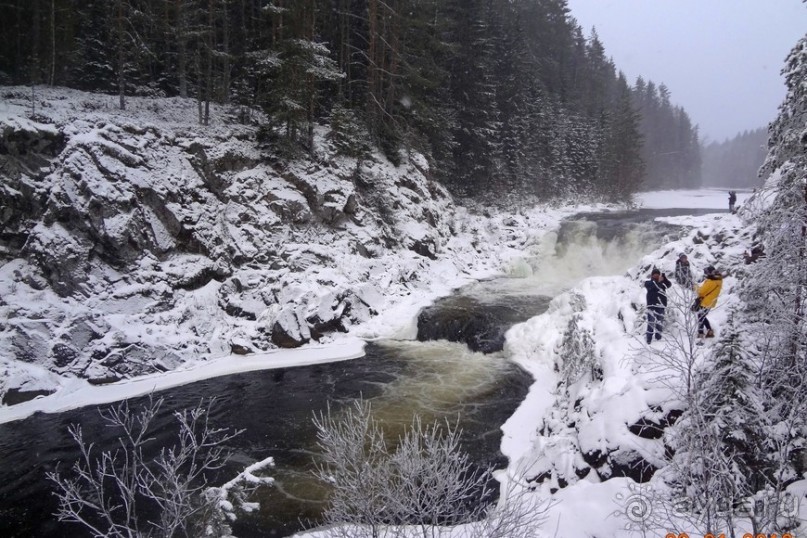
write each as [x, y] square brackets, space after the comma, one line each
[452, 381]
[588, 439]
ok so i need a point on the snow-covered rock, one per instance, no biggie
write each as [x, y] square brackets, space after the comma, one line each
[136, 241]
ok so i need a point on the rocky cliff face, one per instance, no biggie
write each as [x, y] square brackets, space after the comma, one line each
[133, 241]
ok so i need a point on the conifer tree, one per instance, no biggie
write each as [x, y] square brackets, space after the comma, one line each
[775, 290]
[93, 65]
[621, 168]
[500, 95]
[722, 457]
[473, 89]
[735, 408]
[296, 66]
[425, 106]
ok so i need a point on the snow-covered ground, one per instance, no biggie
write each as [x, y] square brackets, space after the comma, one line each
[572, 432]
[78, 393]
[690, 199]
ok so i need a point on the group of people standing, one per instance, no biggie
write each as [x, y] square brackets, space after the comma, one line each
[707, 293]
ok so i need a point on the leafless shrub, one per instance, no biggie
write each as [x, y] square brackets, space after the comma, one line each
[128, 492]
[675, 364]
[519, 513]
[424, 485]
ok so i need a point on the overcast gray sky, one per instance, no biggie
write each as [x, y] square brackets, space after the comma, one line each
[721, 59]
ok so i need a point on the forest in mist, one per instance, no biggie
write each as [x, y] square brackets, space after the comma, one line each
[736, 162]
[498, 94]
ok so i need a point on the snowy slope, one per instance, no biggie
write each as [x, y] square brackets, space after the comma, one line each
[592, 434]
[136, 242]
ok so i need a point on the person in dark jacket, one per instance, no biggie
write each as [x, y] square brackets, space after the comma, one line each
[732, 200]
[683, 272]
[656, 303]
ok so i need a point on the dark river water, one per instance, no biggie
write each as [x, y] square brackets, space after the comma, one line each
[275, 409]
[434, 378]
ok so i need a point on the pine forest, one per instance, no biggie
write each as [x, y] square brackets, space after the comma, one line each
[498, 94]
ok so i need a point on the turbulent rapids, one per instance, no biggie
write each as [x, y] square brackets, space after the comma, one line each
[481, 314]
[456, 369]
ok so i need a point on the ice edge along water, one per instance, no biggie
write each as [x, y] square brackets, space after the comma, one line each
[397, 321]
[80, 393]
[597, 500]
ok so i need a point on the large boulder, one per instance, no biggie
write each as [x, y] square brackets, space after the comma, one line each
[290, 329]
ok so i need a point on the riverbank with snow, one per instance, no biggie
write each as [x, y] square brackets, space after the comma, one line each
[499, 240]
[608, 307]
[588, 441]
[146, 255]
[137, 243]
[584, 451]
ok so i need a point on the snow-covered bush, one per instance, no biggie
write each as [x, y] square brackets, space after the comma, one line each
[424, 479]
[577, 354]
[142, 489]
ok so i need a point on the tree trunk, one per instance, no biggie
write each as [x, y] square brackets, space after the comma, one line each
[209, 64]
[372, 71]
[182, 60]
[121, 77]
[35, 43]
[199, 88]
[312, 90]
[394, 48]
[225, 70]
[344, 49]
[19, 58]
[52, 42]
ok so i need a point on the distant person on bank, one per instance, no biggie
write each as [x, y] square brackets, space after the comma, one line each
[707, 293]
[683, 272]
[656, 303]
[732, 200]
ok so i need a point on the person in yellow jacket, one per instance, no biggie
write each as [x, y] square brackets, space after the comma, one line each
[707, 293]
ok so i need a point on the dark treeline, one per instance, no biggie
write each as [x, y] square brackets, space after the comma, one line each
[671, 149]
[499, 94]
[735, 162]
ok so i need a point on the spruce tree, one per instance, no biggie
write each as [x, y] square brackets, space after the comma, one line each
[93, 65]
[722, 441]
[299, 64]
[776, 287]
[425, 107]
[734, 407]
[475, 33]
[621, 167]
